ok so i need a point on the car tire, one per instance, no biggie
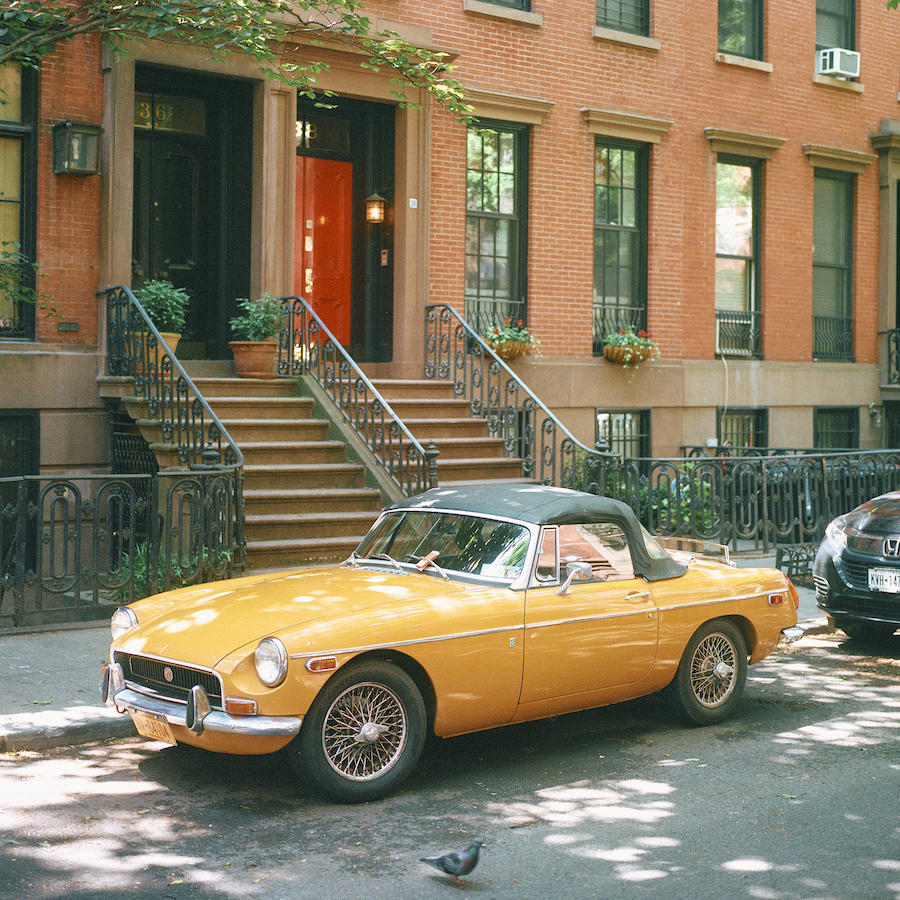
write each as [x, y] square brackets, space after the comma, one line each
[364, 732]
[711, 675]
[868, 632]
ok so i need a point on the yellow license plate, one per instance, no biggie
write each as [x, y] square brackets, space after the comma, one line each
[151, 726]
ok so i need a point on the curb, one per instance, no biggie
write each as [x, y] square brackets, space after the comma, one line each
[62, 728]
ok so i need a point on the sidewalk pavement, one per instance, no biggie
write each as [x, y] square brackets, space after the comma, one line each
[50, 683]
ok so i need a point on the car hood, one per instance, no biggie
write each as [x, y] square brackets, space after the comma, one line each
[880, 516]
[205, 623]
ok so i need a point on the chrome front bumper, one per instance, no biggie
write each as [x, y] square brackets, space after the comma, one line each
[196, 714]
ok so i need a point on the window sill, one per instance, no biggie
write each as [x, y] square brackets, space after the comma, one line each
[624, 37]
[744, 62]
[853, 86]
[502, 12]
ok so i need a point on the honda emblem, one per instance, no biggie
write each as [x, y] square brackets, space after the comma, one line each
[891, 546]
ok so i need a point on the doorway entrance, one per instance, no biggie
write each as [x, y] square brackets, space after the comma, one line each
[343, 265]
[192, 196]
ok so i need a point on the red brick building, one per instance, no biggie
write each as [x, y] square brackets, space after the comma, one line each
[703, 172]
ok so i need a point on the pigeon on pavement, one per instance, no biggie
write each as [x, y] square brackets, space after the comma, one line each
[456, 864]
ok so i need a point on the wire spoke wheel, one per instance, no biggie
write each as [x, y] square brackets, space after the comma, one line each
[713, 670]
[364, 731]
[710, 678]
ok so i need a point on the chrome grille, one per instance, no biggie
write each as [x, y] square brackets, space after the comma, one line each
[821, 585]
[151, 673]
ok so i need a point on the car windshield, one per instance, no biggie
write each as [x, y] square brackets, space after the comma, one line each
[457, 543]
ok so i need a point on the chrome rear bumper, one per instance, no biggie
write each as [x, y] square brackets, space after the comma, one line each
[196, 714]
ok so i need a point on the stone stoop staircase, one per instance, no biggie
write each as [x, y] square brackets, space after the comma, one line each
[432, 413]
[306, 499]
[305, 502]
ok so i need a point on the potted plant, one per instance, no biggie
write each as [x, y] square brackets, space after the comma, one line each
[166, 305]
[512, 340]
[629, 348]
[257, 331]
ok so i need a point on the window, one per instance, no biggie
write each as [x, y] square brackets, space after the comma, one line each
[625, 432]
[624, 15]
[836, 428]
[620, 238]
[496, 220]
[743, 429]
[17, 199]
[835, 24]
[833, 265]
[740, 28]
[737, 256]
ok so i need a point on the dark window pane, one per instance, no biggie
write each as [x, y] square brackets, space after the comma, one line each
[624, 15]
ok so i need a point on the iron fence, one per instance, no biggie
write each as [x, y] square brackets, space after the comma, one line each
[75, 548]
[307, 347]
[767, 500]
[530, 432]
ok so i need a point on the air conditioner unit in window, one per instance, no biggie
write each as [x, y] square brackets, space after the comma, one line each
[843, 63]
[734, 338]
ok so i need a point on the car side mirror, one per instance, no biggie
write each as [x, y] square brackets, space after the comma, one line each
[575, 571]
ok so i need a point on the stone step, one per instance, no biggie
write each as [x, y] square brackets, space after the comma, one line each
[262, 407]
[266, 527]
[291, 452]
[436, 429]
[257, 430]
[456, 470]
[441, 408]
[410, 389]
[284, 477]
[300, 552]
[265, 501]
[470, 447]
[211, 388]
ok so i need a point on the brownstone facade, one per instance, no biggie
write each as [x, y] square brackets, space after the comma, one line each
[571, 85]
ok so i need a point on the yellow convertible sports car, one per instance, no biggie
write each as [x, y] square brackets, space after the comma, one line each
[462, 609]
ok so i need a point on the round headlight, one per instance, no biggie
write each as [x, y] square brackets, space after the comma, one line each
[122, 621]
[271, 661]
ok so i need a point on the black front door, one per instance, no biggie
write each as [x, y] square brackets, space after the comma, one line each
[191, 218]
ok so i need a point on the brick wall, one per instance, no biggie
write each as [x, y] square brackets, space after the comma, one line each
[684, 83]
[68, 206]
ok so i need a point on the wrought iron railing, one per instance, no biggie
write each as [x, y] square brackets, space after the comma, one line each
[72, 549]
[737, 333]
[833, 337]
[307, 347]
[483, 313]
[549, 453]
[766, 500]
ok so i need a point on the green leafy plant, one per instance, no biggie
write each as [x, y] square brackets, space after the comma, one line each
[165, 304]
[140, 572]
[16, 276]
[259, 29]
[261, 320]
[632, 347]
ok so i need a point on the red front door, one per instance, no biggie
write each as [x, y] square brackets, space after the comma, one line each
[323, 242]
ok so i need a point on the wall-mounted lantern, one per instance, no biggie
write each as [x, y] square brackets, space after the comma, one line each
[76, 148]
[375, 207]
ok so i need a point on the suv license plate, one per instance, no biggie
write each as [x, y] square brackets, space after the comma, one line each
[886, 580]
[154, 727]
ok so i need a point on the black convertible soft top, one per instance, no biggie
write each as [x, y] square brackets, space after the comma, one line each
[542, 505]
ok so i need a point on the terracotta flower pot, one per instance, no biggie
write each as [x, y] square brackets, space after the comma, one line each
[170, 339]
[254, 359]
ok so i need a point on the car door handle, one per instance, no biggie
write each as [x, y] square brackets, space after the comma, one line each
[638, 595]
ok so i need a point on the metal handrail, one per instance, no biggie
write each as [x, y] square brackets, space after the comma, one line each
[549, 452]
[307, 347]
[136, 348]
